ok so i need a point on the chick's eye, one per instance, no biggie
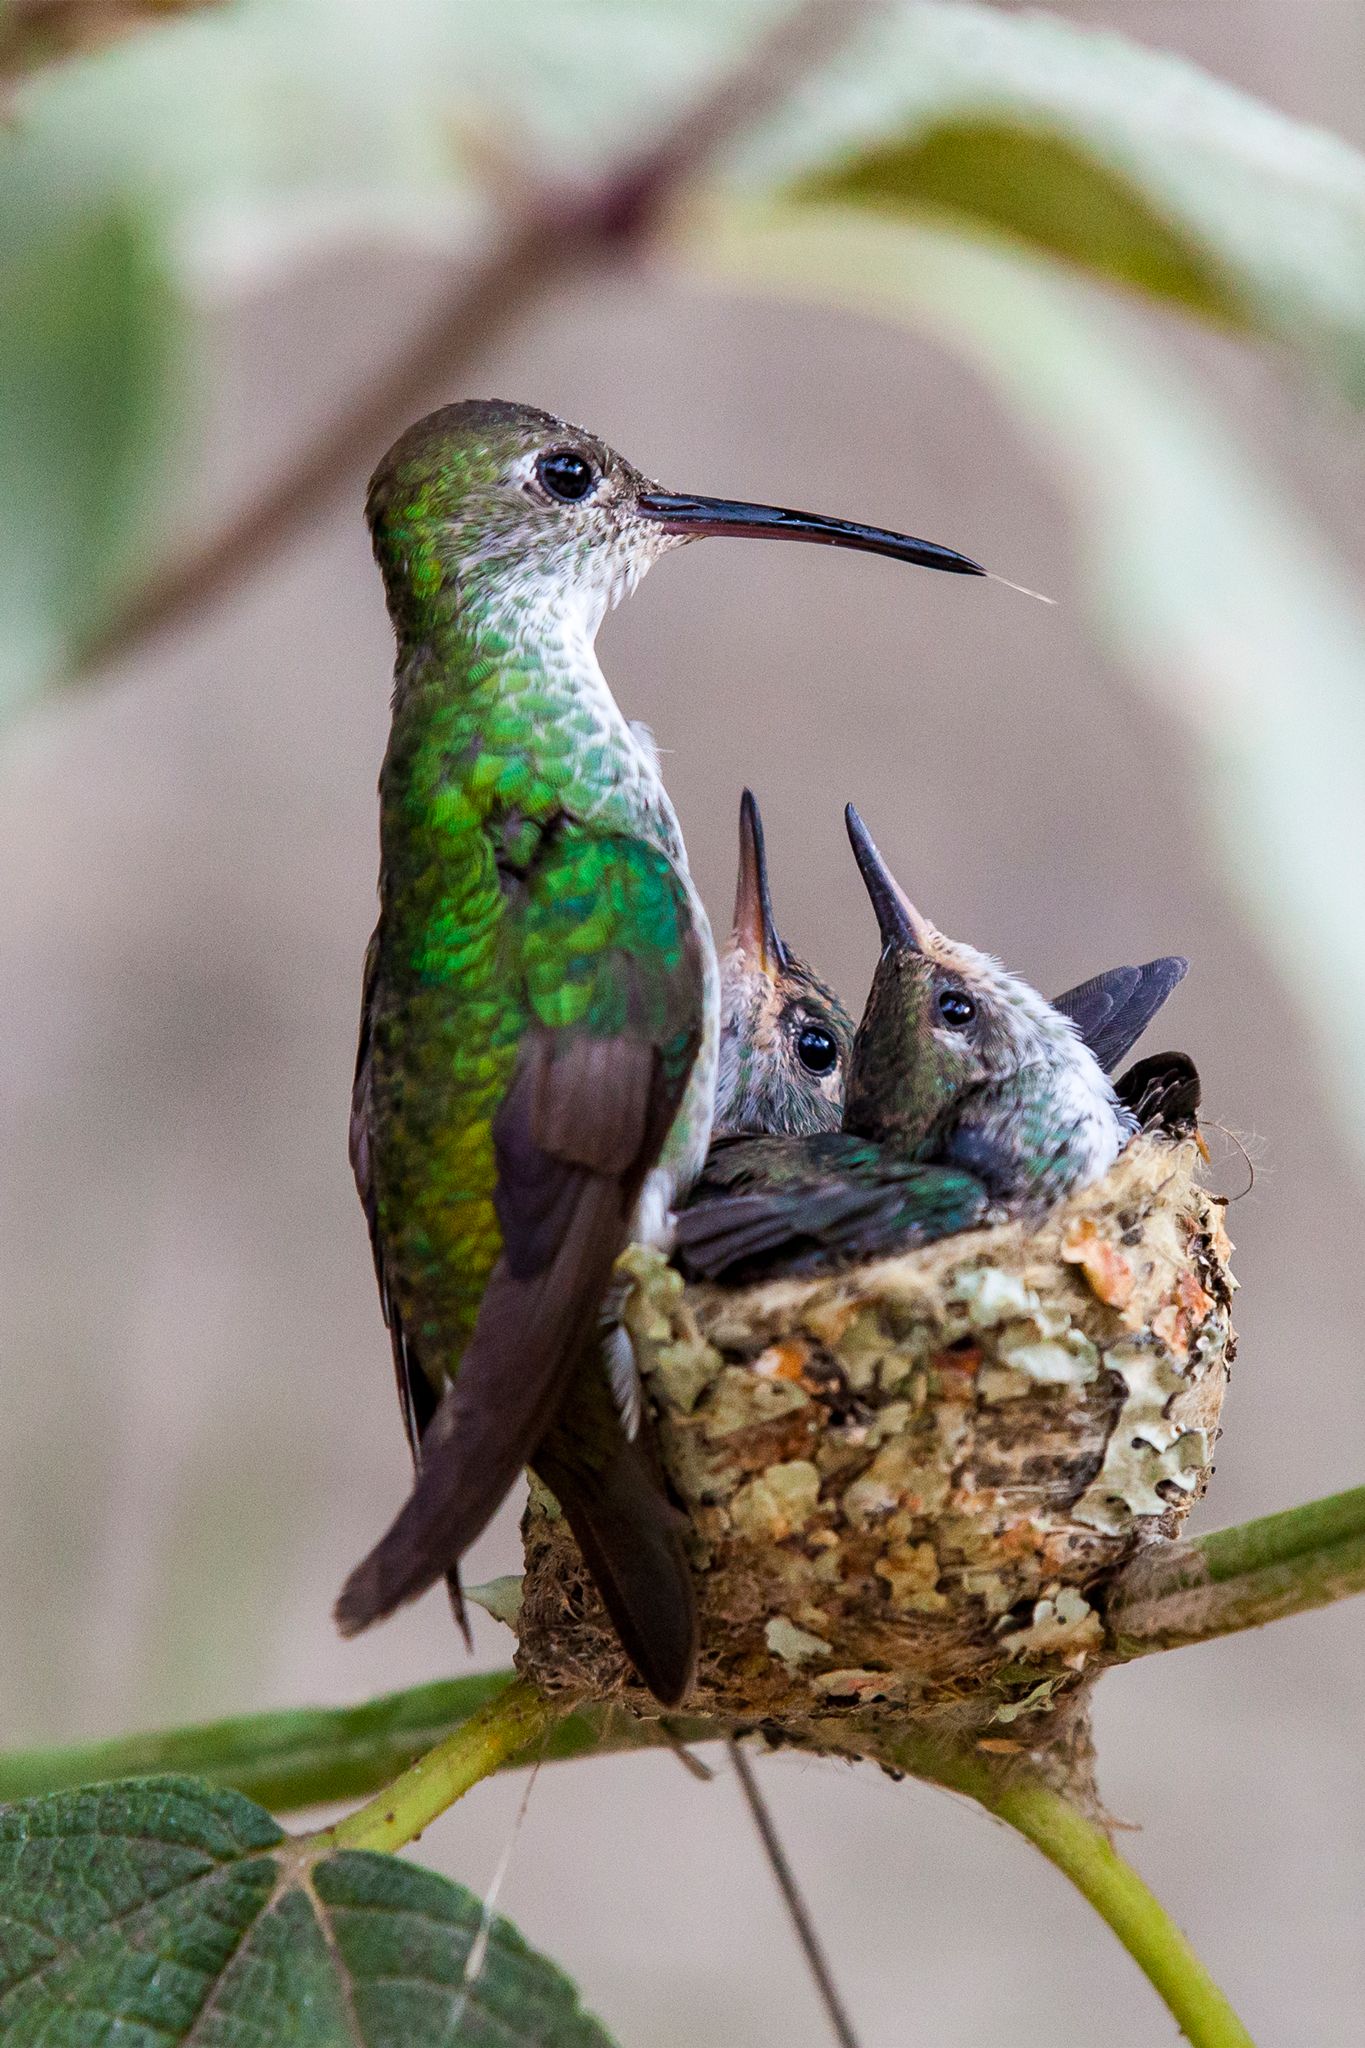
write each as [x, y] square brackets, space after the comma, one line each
[816, 1050]
[566, 474]
[956, 1008]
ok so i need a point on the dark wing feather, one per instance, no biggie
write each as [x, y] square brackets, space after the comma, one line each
[614, 1500]
[1091, 1004]
[798, 1205]
[416, 1395]
[1111, 1011]
[1162, 1092]
[574, 1137]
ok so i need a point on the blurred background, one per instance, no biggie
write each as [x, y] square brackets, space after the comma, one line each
[198, 1434]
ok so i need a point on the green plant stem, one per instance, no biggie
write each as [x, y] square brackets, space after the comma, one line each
[313, 1756]
[498, 1717]
[441, 1739]
[494, 1735]
[1240, 1578]
[1084, 1853]
[285, 1759]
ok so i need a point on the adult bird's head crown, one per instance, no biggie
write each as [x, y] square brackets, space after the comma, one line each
[545, 515]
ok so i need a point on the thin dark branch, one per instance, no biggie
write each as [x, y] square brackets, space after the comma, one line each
[800, 1914]
[552, 235]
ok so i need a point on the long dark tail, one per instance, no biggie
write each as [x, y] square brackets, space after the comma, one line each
[631, 1540]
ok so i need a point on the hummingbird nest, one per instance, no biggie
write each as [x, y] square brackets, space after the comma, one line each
[909, 1484]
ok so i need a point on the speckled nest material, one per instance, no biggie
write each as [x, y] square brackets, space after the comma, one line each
[909, 1483]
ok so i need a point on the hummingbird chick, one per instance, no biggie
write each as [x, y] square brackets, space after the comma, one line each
[970, 1099]
[535, 1076]
[785, 1038]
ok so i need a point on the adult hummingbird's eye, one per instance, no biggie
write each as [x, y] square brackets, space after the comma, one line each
[956, 1008]
[816, 1050]
[566, 474]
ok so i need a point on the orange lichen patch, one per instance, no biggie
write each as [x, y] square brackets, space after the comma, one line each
[1176, 1323]
[1108, 1272]
[784, 1361]
[1020, 1539]
[1193, 1298]
[999, 1745]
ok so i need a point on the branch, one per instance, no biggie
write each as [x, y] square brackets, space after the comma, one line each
[314, 1756]
[1239, 1578]
[452, 1734]
[309, 1756]
[498, 1734]
[442, 1738]
[553, 234]
[1084, 1853]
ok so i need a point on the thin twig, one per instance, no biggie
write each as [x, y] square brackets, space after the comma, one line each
[551, 235]
[799, 1912]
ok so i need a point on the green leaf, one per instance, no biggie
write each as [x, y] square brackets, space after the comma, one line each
[1045, 190]
[158, 1911]
[1125, 160]
[86, 338]
[1199, 572]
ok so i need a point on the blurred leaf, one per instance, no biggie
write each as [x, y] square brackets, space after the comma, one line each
[85, 348]
[269, 120]
[1045, 190]
[1199, 572]
[1126, 160]
[269, 127]
[157, 1911]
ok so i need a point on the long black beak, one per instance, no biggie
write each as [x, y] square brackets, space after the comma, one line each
[897, 918]
[732, 517]
[754, 926]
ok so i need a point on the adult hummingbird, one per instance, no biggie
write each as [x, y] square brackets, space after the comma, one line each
[536, 1068]
[970, 1099]
[785, 1037]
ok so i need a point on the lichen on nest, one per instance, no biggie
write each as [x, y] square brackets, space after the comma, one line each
[908, 1483]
